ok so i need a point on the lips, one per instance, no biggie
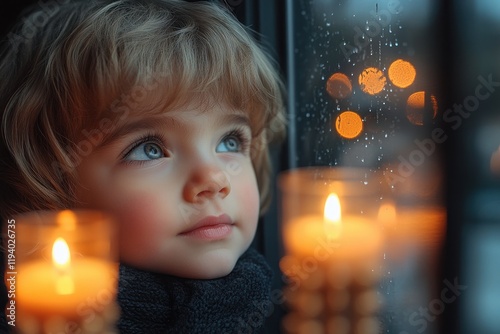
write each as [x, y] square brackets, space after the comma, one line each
[211, 228]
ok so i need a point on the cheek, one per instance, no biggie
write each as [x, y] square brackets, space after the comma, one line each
[254, 200]
[250, 198]
[136, 209]
[140, 218]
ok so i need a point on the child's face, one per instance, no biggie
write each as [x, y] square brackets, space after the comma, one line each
[182, 187]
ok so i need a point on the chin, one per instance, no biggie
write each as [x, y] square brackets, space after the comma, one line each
[213, 273]
[211, 265]
[215, 269]
[203, 269]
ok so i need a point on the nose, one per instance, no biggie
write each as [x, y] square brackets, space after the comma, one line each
[206, 183]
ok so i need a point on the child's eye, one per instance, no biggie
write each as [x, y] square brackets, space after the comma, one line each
[228, 144]
[147, 150]
[235, 141]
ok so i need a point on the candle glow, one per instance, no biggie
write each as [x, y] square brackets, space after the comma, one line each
[332, 217]
[387, 214]
[333, 250]
[332, 212]
[66, 268]
[61, 257]
[67, 219]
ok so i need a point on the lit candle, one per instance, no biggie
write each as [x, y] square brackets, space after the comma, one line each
[66, 280]
[61, 257]
[44, 290]
[333, 250]
[334, 261]
[353, 238]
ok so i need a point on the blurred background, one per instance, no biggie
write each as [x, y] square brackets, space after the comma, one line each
[408, 88]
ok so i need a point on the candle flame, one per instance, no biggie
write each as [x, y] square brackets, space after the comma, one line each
[61, 256]
[331, 217]
[332, 213]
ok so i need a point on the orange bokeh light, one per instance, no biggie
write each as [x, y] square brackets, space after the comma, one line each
[349, 124]
[416, 100]
[402, 73]
[416, 107]
[372, 80]
[339, 86]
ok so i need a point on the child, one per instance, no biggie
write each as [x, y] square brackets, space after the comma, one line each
[158, 112]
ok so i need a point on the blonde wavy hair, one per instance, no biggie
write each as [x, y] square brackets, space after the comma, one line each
[67, 82]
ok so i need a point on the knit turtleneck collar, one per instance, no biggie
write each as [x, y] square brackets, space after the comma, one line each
[154, 303]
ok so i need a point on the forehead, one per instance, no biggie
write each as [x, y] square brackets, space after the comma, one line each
[155, 98]
[174, 115]
[159, 101]
[153, 110]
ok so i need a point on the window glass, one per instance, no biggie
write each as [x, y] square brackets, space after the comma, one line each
[366, 91]
[365, 80]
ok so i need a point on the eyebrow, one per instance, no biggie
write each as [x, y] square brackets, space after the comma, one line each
[148, 123]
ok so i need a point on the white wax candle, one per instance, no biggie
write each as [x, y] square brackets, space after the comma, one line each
[42, 290]
[357, 239]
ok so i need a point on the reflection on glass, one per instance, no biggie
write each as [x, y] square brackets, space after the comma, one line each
[402, 73]
[362, 56]
[372, 80]
[387, 214]
[339, 86]
[349, 124]
[365, 94]
[418, 109]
